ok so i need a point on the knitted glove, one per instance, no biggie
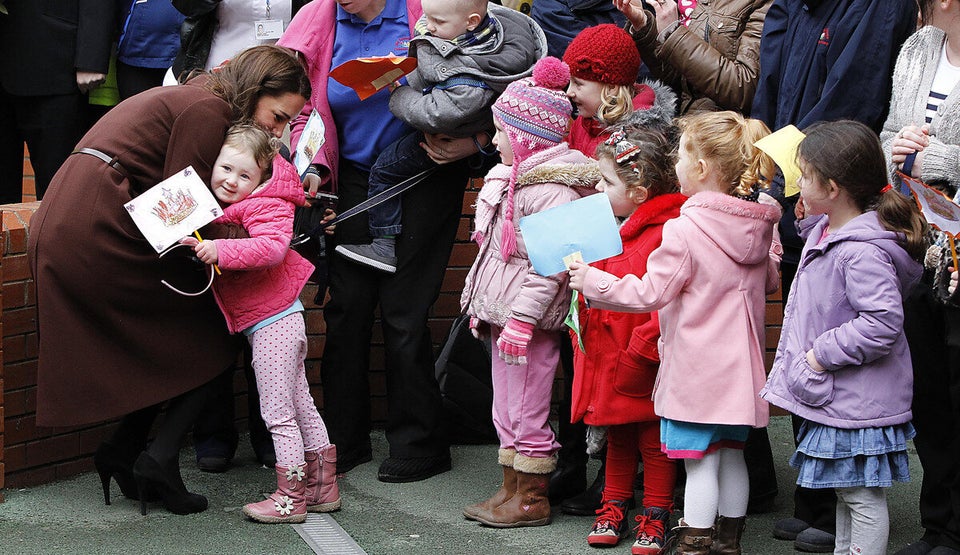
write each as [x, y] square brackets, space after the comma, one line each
[513, 341]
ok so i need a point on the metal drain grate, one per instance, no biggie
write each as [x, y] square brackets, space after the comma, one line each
[326, 537]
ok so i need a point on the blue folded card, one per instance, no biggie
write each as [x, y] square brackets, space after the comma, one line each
[586, 226]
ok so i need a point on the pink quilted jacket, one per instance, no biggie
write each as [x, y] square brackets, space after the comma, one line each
[261, 276]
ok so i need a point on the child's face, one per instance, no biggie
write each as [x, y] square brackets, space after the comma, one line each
[448, 19]
[235, 175]
[502, 142]
[815, 195]
[610, 184]
[687, 169]
[586, 95]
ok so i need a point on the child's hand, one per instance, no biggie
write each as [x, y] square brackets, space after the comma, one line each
[479, 329]
[206, 251]
[954, 278]
[812, 361]
[634, 11]
[799, 212]
[328, 215]
[513, 341]
[578, 273]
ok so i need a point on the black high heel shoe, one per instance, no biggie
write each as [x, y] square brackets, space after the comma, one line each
[112, 461]
[167, 484]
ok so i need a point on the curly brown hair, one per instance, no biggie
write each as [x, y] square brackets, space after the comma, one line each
[651, 165]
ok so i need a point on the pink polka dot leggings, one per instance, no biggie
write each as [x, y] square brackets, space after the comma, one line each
[286, 405]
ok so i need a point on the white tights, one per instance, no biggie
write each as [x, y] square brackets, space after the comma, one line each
[863, 521]
[716, 484]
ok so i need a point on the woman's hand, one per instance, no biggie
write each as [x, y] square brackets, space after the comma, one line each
[313, 181]
[578, 274]
[666, 11]
[634, 11]
[443, 149]
[908, 140]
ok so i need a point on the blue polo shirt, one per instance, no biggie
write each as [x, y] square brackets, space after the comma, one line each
[367, 127]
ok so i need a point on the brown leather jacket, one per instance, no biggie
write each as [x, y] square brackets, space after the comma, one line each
[714, 62]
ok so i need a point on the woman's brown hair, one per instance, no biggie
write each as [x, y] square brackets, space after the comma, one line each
[257, 72]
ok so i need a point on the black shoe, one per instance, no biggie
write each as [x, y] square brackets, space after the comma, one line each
[919, 547]
[397, 470]
[788, 528]
[813, 540]
[943, 550]
[347, 460]
[168, 485]
[566, 482]
[588, 502]
[214, 455]
[761, 503]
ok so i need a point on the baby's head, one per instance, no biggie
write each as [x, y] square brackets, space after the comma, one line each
[636, 165]
[448, 19]
[604, 63]
[245, 162]
[719, 147]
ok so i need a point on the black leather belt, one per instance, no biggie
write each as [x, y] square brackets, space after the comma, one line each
[113, 162]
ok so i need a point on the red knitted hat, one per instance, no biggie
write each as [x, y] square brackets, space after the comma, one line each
[605, 54]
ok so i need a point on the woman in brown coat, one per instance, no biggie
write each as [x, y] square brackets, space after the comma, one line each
[713, 61]
[114, 341]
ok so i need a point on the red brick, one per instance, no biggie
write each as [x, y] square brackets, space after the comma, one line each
[15, 402]
[53, 449]
[447, 305]
[15, 267]
[315, 322]
[315, 346]
[453, 280]
[773, 314]
[91, 438]
[20, 429]
[772, 337]
[20, 374]
[31, 477]
[19, 320]
[15, 294]
[14, 348]
[73, 468]
[14, 457]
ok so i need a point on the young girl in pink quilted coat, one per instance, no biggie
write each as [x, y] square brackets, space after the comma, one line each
[709, 280]
[258, 293]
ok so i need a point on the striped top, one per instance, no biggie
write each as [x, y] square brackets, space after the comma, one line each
[945, 80]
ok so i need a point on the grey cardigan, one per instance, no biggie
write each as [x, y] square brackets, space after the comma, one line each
[912, 78]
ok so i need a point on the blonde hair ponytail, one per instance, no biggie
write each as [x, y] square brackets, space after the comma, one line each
[726, 139]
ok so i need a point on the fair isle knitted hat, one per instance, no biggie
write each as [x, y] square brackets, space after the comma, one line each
[535, 113]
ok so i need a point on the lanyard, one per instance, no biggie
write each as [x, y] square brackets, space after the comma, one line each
[268, 9]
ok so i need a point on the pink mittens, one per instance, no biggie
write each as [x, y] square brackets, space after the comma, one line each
[514, 340]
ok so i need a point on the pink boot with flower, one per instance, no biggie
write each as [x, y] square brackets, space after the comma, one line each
[287, 504]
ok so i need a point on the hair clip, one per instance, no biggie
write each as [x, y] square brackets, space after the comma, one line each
[623, 149]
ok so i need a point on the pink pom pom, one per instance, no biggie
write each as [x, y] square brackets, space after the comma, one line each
[551, 73]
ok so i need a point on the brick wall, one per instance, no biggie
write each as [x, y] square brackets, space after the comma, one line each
[30, 455]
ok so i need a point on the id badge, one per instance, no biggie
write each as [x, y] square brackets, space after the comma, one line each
[268, 29]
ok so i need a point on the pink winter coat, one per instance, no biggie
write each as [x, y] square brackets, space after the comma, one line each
[708, 279]
[262, 275]
[497, 289]
[311, 33]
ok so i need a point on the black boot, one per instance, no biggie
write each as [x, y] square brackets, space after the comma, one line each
[567, 480]
[112, 461]
[166, 482]
[587, 503]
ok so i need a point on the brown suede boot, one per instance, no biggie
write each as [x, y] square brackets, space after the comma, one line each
[529, 506]
[729, 532]
[506, 491]
[685, 540]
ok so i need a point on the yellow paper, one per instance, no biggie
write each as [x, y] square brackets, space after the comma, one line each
[572, 257]
[781, 145]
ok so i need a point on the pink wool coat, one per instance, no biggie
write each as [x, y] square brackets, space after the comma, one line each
[262, 275]
[709, 280]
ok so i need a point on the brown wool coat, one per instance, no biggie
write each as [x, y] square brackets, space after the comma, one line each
[112, 338]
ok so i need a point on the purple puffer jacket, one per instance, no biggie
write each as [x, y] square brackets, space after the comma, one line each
[262, 275]
[846, 304]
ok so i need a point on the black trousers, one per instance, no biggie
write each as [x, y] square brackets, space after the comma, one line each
[49, 125]
[816, 507]
[431, 215]
[933, 332]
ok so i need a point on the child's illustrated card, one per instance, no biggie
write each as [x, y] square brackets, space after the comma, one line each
[366, 76]
[586, 226]
[173, 209]
[311, 140]
[937, 208]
